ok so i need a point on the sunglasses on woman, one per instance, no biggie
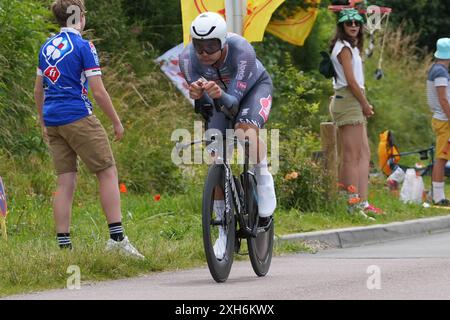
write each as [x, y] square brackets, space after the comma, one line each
[352, 23]
[210, 46]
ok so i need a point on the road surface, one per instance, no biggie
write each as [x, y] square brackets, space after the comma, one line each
[417, 268]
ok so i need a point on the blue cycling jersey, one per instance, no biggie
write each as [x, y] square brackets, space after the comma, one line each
[66, 61]
[238, 74]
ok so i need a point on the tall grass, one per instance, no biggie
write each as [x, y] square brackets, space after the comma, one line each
[24, 27]
[167, 232]
[400, 97]
[151, 109]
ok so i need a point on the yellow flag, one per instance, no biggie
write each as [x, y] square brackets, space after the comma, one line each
[295, 29]
[190, 9]
[259, 13]
[257, 16]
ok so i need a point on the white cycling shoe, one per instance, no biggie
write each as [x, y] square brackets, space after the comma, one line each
[124, 247]
[267, 200]
[220, 246]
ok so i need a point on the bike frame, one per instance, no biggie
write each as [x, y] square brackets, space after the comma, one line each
[231, 193]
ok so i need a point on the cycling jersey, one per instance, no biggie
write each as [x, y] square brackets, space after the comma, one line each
[66, 61]
[242, 77]
[239, 72]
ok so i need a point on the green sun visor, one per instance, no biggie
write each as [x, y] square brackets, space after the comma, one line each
[350, 15]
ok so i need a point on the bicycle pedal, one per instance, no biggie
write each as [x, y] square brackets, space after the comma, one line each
[218, 223]
[265, 223]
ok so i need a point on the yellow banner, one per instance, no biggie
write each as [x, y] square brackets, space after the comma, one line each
[296, 28]
[258, 15]
[190, 9]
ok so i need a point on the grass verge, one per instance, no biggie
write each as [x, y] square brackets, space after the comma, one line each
[168, 232]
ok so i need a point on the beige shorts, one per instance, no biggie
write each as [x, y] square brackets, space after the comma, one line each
[442, 131]
[345, 109]
[86, 138]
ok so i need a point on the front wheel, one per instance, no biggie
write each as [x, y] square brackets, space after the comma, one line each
[260, 248]
[211, 222]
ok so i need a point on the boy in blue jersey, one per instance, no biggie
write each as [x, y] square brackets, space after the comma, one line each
[66, 63]
[438, 91]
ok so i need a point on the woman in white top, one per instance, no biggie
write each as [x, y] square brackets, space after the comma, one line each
[350, 109]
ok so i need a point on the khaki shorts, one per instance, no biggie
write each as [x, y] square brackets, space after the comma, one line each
[345, 109]
[86, 138]
[442, 131]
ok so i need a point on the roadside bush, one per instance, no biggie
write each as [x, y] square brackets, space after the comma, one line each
[107, 27]
[300, 182]
[157, 22]
[399, 99]
[150, 109]
[24, 27]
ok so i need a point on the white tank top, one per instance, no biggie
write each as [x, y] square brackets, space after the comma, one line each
[341, 81]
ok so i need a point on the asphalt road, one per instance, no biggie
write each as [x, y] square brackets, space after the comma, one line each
[416, 268]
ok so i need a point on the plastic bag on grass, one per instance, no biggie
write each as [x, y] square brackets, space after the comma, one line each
[413, 187]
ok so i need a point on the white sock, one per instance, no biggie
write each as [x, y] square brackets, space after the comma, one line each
[220, 245]
[365, 204]
[263, 175]
[219, 208]
[267, 200]
[438, 191]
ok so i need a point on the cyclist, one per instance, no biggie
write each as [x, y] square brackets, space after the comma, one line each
[223, 66]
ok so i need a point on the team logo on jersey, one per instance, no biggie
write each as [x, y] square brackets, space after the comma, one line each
[241, 70]
[57, 49]
[266, 104]
[94, 53]
[242, 85]
[52, 73]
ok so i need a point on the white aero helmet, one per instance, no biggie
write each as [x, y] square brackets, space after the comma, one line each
[209, 25]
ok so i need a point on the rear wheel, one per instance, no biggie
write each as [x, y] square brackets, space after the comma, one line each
[211, 222]
[260, 248]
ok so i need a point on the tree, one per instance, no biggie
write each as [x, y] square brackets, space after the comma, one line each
[156, 21]
[429, 18]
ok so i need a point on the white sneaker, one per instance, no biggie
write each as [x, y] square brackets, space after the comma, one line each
[125, 247]
[220, 246]
[267, 201]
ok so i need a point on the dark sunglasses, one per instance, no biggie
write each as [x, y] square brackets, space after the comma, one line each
[352, 23]
[210, 46]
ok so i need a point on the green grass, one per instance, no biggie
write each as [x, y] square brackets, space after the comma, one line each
[168, 232]
[293, 221]
[165, 231]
